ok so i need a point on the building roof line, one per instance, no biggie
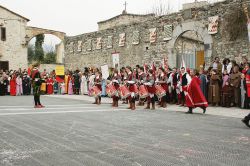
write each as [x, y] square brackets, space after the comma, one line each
[14, 13]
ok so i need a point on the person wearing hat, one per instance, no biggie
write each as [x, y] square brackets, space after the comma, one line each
[36, 83]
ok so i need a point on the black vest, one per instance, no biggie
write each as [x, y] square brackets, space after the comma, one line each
[184, 80]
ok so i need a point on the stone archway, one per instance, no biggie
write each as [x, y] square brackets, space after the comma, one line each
[34, 31]
[190, 26]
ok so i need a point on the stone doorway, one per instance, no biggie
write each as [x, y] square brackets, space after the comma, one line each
[198, 28]
[189, 47]
[4, 65]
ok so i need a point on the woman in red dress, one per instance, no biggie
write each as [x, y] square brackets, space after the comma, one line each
[50, 85]
[13, 85]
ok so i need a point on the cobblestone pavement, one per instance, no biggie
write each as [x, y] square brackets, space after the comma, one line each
[71, 131]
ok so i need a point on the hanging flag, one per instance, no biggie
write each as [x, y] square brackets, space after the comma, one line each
[152, 35]
[213, 23]
[122, 38]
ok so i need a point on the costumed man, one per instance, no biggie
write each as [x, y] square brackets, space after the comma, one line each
[140, 81]
[184, 80]
[36, 83]
[173, 80]
[194, 96]
[163, 80]
[98, 84]
[116, 80]
[49, 83]
[131, 87]
[247, 118]
[26, 84]
[150, 81]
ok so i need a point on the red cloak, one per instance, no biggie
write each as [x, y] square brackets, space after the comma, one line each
[194, 95]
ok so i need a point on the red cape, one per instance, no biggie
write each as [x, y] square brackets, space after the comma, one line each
[194, 96]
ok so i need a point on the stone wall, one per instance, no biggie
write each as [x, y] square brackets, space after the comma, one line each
[13, 49]
[78, 55]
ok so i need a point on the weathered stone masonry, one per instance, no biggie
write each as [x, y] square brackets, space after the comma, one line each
[194, 19]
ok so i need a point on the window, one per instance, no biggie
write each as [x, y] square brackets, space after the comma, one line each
[3, 33]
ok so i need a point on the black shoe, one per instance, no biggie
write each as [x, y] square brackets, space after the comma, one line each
[246, 122]
[190, 111]
[204, 110]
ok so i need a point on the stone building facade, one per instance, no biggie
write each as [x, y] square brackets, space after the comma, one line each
[94, 49]
[13, 50]
[14, 38]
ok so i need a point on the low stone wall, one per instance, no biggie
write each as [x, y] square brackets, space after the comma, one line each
[48, 67]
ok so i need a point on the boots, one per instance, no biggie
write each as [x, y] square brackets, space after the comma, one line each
[148, 105]
[164, 105]
[133, 106]
[153, 106]
[95, 101]
[204, 109]
[116, 103]
[99, 100]
[190, 111]
[130, 105]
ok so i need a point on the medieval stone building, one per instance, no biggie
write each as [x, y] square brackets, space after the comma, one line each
[198, 33]
[14, 38]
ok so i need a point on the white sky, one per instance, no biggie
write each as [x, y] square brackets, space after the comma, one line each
[80, 16]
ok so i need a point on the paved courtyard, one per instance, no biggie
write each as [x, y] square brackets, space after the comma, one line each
[71, 132]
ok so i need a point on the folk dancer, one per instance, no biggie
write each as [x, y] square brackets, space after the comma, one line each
[131, 82]
[140, 80]
[150, 82]
[116, 80]
[98, 84]
[163, 80]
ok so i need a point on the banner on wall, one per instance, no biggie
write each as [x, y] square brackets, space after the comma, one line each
[99, 43]
[122, 38]
[213, 23]
[89, 45]
[152, 37]
[136, 38]
[116, 60]
[168, 30]
[105, 71]
[79, 46]
[110, 42]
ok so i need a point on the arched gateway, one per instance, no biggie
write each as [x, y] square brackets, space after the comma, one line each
[197, 27]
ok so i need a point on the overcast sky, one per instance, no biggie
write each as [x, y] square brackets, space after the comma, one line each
[80, 16]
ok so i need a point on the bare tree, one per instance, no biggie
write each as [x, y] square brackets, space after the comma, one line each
[161, 8]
